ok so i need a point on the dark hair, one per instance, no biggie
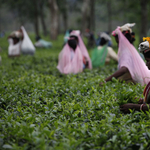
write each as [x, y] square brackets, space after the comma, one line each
[128, 35]
[70, 30]
[103, 41]
[15, 40]
[133, 36]
[147, 54]
[74, 37]
[72, 43]
[37, 38]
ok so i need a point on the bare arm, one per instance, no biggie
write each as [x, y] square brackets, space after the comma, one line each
[138, 107]
[13, 56]
[117, 74]
[112, 54]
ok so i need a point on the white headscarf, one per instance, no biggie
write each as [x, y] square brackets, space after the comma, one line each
[125, 27]
[105, 36]
[143, 46]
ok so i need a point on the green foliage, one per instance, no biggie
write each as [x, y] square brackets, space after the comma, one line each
[42, 109]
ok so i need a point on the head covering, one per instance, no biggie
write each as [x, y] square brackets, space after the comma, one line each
[143, 46]
[82, 47]
[65, 64]
[72, 43]
[105, 36]
[16, 34]
[126, 27]
[130, 58]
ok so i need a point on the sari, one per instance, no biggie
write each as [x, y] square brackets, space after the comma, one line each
[130, 58]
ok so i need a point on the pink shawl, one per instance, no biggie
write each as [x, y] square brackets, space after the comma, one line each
[130, 58]
[66, 65]
[82, 47]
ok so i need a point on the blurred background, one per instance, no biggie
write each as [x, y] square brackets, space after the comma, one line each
[53, 17]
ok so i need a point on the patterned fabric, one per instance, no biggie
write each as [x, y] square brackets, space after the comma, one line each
[146, 93]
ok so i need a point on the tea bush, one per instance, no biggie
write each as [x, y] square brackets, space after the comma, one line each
[41, 109]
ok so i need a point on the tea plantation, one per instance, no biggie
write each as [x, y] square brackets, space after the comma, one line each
[41, 109]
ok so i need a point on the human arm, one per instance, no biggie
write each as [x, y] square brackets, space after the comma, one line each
[11, 56]
[85, 61]
[112, 54]
[141, 100]
[117, 74]
[138, 107]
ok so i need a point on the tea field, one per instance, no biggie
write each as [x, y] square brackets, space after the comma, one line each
[41, 109]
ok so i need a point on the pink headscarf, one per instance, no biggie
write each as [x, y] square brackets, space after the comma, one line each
[66, 65]
[130, 58]
[82, 47]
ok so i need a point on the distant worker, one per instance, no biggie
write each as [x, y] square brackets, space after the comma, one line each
[15, 40]
[19, 42]
[40, 43]
[131, 67]
[99, 39]
[91, 39]
[143, 104]
[74, 56]
[102, 54]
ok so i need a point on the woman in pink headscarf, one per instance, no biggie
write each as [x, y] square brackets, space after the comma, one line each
[144, 48]
[74, 56]
[131, 67]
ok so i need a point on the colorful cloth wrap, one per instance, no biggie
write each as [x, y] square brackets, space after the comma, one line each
[66, 65]
[130, 58]
[146, 94]
[99, 56]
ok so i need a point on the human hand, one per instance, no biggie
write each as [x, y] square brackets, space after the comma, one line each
[126, 107]
[102, 83]
[141, 100]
